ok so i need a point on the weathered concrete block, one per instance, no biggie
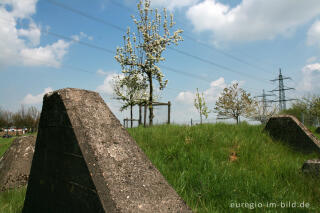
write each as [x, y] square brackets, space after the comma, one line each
[290, 129]
[16, 162]
[311, 167]
[85, 161]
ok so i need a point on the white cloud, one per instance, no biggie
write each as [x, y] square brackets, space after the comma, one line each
[81, 36]
[50, 55]
[106, 87]
[310, 78]
[32, 34]
[36, 99]
[22, 9]
[20, 46]
[172, 4]
[314, 34]
[185, 97]
[211, 94]
[102, 72]
[252, 19]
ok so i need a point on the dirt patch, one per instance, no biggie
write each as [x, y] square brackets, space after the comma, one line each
[16, 162]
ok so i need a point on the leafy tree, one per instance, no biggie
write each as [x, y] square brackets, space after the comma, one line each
[306, 109]
[201, 106]
[235, 102]
[131, 90]
[143, 50]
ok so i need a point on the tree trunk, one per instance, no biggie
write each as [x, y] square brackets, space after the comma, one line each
[131, 115]
[200, 118]
[237, 118]
[150, 99]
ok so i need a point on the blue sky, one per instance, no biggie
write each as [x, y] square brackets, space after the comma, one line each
[248, 39]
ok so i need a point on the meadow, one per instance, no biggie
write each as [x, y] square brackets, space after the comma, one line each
[218, 167]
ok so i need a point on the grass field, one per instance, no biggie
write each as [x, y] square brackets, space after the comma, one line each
[313, 130]
[4, 144]
[198, 162]
[216, 167]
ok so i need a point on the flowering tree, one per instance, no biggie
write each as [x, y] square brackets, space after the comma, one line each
[201, 106]
[143, 50]
[131, 90]
[234, 102]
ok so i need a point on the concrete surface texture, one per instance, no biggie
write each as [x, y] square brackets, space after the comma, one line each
[311, 167]
[85, 161]
[16, 162]
[289, 129]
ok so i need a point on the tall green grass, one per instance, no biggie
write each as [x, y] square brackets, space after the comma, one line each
[196, 162]
[313, 130]
[12, 201]
[4, 144]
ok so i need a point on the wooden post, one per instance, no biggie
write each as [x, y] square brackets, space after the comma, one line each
[140, 121]
[145, 115]
[169, 111]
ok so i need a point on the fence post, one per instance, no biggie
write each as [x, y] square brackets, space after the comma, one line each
[140, 115]
[169, 111]
[145, 115]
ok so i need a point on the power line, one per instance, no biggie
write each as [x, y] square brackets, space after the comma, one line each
[187, 35]
[79, 12]
[216, 64]
[111, 52]
[61, 5]
[264, 105]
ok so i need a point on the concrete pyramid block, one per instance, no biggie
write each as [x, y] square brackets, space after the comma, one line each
[16, 162]
[288, 128]
[85, 161]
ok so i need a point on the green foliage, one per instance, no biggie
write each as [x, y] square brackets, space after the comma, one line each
[235, 102]
[196, 162]
[131, 90]
[11, 201]
[5, 144]
[201, 106]
[307, 109]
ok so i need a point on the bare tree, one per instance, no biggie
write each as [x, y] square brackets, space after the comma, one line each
[261, 112]
[201, 106]
[143, 50]
[33, 118]
[235, 102]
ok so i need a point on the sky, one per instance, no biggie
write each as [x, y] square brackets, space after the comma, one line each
[47, 45]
